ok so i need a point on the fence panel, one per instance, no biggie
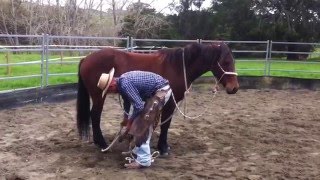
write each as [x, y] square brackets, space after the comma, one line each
[294, 59]
[64, 53]
[21, 64]
[29, 61]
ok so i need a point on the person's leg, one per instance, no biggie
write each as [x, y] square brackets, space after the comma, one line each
[143, 154]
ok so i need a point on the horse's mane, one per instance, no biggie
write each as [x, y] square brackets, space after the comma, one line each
[171, 55]
[174, 55]
[207, 52]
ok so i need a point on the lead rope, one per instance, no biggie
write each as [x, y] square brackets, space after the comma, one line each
[184, 72]
[131, 158]
[177, 108]
[185, 84]
[153, 156]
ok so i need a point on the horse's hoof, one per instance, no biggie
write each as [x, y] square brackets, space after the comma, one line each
[164, 155]
[104, 146]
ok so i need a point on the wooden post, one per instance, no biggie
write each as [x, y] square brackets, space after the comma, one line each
[8, 61]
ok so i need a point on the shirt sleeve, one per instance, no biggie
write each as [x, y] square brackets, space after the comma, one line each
[132, 95]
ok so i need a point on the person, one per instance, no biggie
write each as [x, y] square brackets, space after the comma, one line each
[135, 87]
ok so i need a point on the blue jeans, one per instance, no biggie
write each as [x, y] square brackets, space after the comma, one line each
[143, 152]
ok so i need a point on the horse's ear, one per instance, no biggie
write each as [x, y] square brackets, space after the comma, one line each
[192, 51]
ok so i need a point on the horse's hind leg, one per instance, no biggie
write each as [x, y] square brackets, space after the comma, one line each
[96, 111]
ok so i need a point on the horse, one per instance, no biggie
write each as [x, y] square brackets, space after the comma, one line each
[181, 66]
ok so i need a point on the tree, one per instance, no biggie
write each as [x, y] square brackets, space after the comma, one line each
[236, 20]
[192, 25]
[198, 3]
[143, 22]
[291, 20]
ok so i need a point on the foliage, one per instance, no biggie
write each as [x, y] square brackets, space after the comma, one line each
[143, 22]
[285, 20]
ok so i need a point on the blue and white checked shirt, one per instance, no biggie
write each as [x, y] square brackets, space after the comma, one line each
[137, 86]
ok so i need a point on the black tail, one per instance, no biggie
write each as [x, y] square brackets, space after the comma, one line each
[83, 109]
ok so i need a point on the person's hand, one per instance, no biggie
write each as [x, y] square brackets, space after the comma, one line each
[127, 124]
[124, 122]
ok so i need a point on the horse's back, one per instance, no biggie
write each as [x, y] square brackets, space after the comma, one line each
[103, 60]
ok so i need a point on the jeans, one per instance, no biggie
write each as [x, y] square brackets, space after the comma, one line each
[143, 152]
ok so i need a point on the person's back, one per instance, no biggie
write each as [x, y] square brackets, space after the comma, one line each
[144, 82]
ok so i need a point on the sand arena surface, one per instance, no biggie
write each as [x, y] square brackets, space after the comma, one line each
[255, 134]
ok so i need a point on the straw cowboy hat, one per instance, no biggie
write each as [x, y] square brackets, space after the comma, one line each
[104, 81]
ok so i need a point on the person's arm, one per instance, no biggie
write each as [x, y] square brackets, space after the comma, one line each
[133, 96]
[126, 106]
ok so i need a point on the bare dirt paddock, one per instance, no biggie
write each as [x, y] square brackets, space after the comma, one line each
[255, 134]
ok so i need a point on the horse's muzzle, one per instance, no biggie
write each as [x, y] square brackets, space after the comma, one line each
[232, 91]
[232, 88]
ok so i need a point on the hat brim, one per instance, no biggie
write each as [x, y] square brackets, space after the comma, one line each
[111, 73]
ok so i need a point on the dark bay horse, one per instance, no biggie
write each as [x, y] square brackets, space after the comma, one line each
[173, 64]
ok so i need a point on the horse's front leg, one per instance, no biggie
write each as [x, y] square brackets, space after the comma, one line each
[96, 130]
[167, 112]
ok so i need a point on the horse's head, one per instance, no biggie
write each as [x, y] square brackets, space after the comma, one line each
[222, 65]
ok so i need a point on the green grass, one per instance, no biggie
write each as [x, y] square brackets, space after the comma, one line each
[245, 67]
[33, 69]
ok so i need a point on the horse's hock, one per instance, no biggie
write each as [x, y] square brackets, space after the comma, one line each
[68, 91]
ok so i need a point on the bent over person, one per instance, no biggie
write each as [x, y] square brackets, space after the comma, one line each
[136, 87]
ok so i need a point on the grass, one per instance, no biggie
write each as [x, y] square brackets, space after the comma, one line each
[245, 67]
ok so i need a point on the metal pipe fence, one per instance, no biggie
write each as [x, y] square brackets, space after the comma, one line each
[48, 59]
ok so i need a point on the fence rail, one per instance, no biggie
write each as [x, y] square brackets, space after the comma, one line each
[58, 56]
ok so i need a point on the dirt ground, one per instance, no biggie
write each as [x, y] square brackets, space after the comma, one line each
[255, 134]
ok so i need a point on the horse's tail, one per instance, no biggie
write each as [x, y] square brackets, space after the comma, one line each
[83, 108]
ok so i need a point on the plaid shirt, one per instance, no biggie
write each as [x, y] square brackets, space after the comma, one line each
[137, 86]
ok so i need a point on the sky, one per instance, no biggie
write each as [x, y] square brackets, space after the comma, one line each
[162, 5]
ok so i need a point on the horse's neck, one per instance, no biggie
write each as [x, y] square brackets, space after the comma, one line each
[190, 74]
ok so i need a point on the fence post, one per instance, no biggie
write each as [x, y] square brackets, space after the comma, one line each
[131, 44]
[270, 51]
[8, 61]
[128, 43]
[43, 52]
[269, 58]
[47, 58]
[266, 60]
